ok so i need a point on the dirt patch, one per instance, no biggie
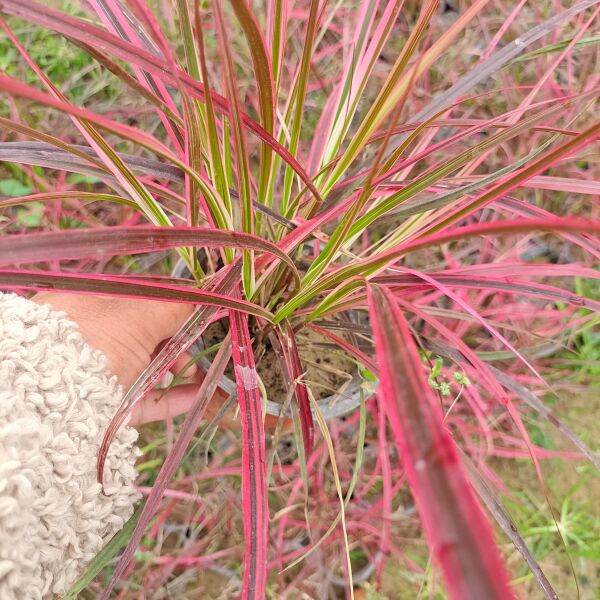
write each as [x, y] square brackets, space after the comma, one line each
[327, 369]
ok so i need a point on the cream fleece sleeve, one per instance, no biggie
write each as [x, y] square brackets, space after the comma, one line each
[55, 402]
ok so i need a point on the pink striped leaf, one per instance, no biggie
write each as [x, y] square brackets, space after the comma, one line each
[264, 80]
[372, 264]
[454, 523]
[306, 419]
[242, 163]
[335, 302]
[69, 195]
[538, 290]
[524, 269]
[512, 182]
[172, 461]
[166, 356]
[111, 285]
[254, 478]
[565, 184]
[122, 22]
[112, 241]
[292, 366]
[86, 33]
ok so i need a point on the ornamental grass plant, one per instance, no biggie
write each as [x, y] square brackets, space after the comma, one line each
[402, 196]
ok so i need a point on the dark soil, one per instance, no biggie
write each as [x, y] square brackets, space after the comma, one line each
[327, 370]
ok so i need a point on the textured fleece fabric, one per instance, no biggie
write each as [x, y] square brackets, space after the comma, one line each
[56, 399]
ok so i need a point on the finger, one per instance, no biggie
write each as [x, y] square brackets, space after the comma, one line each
[164, 404]
[160, 405]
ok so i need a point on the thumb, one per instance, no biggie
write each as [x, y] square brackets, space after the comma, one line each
[160, 405]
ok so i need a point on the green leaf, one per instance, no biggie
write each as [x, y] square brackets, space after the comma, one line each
[75, 178]
[13, 187]
[105, 556]
[33, 216]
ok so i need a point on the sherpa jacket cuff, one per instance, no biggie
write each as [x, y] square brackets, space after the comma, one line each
[56, 400]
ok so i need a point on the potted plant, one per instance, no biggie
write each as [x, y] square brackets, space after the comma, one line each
[331, 205]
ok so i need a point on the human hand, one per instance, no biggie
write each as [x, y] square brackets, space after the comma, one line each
[128, 332]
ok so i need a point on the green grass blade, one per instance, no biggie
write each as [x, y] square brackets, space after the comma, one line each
[105, 556]
[433, 175]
